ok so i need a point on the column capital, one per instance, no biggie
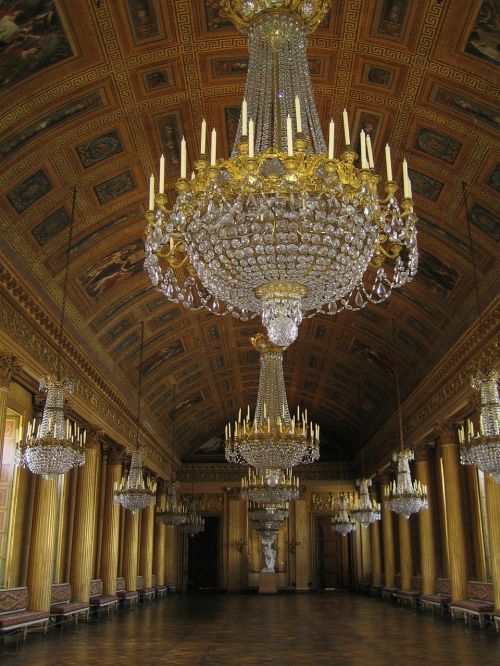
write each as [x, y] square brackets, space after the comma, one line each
[234, 493]
[9, 365]
[447, 433]
[94, 437]
[114, 454]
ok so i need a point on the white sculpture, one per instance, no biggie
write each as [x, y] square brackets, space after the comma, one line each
[269, 556]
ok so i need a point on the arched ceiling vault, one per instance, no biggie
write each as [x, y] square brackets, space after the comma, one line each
[91, 93]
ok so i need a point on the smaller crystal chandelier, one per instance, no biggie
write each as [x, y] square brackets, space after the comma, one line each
[194, 523]
[54, 446]
[133, 493]
[483, 448]
[273, 440]
[260, 489]
[173, 514]
[365, 512]
[343, 522]
[404, 496]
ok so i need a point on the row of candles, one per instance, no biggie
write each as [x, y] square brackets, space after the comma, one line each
[470, 431]
[248, 131]
[72, 430]
[287, 479]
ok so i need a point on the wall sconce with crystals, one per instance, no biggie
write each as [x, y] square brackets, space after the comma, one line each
[342, 521]
[54, 446]
[365, 511]
[282, 229]
[174, 513]
[273, 440]
[263, 490]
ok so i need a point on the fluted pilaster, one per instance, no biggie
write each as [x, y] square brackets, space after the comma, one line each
[130, 554]
[376, 559]
[388, 537]
[146, 544]
[159, 538]
[171, 556]
[42, 544]
[82, 556]
[425, 525]
[235, 532]
[493, 510]
[8, 366]
[108, 570]
[457, 550]
[405, 555]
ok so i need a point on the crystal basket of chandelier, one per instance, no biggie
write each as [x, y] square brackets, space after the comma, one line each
[133, 492]
[269, 488]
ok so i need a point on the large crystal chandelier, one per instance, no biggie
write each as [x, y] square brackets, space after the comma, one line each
[404, 496]
[133, 492]
[483, 448]
[174, 513]
[54, 446]
[263, 490]
[273, 440]
[286, 227]
[343, 522]
[365, 511]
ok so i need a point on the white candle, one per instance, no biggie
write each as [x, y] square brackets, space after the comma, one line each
[244, 114]
[331, 134]
[250, 138]
[162, 174]
[409, 188]
[298, 117]
[369, 149]
[364, 162]
[405, 180]
[213, 148]
[183, 158]
[347, 136]
[203, 146]
[388, 163]
[151, 192]
[289, 137]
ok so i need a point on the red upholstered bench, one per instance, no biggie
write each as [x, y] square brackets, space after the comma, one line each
[161, 590]
[98, 600]
[479, 604]
[145, 593]
[439, 601]
[125, 596]
[13, 614]
[411, 597]
[61, 606]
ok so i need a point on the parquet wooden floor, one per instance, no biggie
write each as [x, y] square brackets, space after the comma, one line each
[283, 630]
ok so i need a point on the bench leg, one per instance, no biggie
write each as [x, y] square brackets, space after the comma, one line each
[25, 632]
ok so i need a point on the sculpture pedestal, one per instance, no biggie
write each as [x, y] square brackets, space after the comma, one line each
[267, 582]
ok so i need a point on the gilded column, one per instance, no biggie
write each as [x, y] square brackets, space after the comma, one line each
[171, 556]
[303, 548]
[130, 542]
[146, 544]
[376, 559]
[388, 538]
[425, 524]
[159, 537]
[235, 532]
[42, 544]
[108, 570]
[8, 366]
[82, 555]
[457, 544]
[405, 555]
[99, 506]
[493, 511]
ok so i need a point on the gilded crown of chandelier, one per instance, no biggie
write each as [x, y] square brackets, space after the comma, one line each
[365, 511]
[405, 496]
[285, 227]
[271, 440]
[343, 521]
[133, 492]
[263, 490]
[482, 448]
[54, 445]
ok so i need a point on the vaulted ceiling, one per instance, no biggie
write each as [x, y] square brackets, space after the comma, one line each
[92, 92]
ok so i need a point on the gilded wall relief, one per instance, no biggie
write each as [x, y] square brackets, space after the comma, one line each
[51, 226]
[50, 121]
[215, 17]
[438, 278]
[391, 18]
[484, 40]
[116, 267]
[493, 179]
[170, 131]
[166, 353]
[437, 145]
[376, 75]
[486, 221]
[425, 186]
[25, 194]
[117, 331]
[144, 19]
[31, 39]
[473, 109]
[115, 187]
[99, 148]
[186, 404]
[161, 78]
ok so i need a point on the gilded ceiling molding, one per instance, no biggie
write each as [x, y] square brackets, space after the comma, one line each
[31, 329]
